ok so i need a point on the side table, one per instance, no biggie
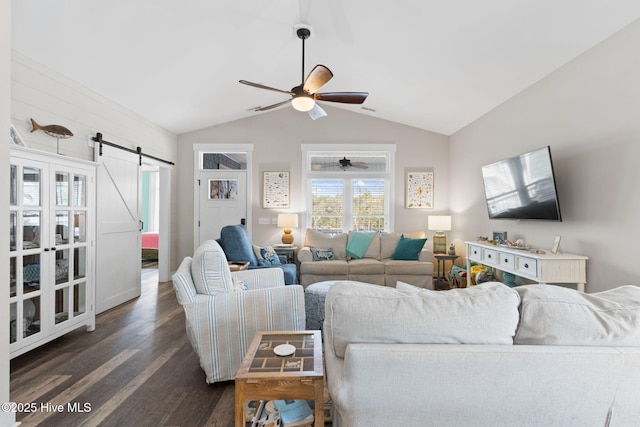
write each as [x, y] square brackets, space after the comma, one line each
[442, 277]
[238, 265]
[288, 251]
[264, 375]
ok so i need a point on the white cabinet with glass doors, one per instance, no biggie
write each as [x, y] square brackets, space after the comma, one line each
[51, 260]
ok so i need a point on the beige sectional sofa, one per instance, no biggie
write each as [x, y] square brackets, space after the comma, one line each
[489, 355]
[376, 266]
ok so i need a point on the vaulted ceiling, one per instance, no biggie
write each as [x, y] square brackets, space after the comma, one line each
[432, 64]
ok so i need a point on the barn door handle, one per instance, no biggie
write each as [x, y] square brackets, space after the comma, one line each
[141, 225]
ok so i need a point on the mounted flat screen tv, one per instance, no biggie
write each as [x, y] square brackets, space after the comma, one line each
[522, 187]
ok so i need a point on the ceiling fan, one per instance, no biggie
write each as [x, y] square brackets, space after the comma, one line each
[346, 163]
[304, 96]
[343, 164]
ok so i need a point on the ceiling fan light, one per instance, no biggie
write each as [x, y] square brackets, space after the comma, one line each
[303, 103]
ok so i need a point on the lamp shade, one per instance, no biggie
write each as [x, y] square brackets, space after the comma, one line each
[439, 222]
[287, 220]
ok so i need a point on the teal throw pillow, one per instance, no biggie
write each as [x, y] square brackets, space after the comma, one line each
[359, 242]
[408, 249]
[269, 257]
[322, 254]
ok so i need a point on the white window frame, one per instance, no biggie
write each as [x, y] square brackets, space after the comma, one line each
[309, 151]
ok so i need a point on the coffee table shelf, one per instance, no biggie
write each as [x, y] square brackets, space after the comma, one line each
[264, 375]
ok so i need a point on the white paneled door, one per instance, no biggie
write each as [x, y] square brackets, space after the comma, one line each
[222, 201]
[118, 228]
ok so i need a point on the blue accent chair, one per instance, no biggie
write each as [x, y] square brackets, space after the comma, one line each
[237, 246]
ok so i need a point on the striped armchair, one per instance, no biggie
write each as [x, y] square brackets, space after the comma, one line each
[221, 319]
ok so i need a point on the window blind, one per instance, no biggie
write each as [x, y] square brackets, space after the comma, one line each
[327, 200]
[368, 204]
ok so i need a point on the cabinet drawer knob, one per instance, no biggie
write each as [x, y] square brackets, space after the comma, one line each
[526, 266]
[489, 256]
[506, 260]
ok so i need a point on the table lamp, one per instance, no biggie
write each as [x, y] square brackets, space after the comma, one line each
[439, 224]
[287, 221]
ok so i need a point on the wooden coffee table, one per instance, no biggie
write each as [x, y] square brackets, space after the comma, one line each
[264, 375]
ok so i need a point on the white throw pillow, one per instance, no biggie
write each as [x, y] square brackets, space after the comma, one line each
[483, 314]
[210, 269]
[553, 315]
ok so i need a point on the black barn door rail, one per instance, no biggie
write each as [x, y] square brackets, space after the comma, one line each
[138, 150]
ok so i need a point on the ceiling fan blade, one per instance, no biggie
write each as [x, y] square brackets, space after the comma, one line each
[344, 97]
[317, 112]
[259, 86]
[317, 78]
[271, 107]
[359, 165]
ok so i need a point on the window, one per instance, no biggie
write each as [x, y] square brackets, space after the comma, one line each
[342, 198]
[362, 209]
[226, 160]
[368, 204]
[327, 204]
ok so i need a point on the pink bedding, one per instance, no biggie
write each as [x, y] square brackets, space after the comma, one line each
[150, 240]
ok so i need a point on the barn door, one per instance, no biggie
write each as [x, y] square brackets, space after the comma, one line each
[118, 228]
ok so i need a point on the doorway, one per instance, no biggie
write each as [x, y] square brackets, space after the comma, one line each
[156, 215]
[222, 194]
[149, 216]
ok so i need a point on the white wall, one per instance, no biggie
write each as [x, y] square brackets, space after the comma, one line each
[589, 113]
[6, 418]
[48, 97]
[277, 137]
[51, 98]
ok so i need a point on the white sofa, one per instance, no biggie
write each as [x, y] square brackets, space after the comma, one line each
[489, 355]
[376, 266]
[221, 317]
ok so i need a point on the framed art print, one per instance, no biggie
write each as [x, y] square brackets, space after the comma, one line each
[275, 189]
[499, 236]
[223, 189]
[419, 190]
[15, 136]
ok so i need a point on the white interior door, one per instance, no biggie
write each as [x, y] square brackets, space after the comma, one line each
[118, 228]
[222, 196]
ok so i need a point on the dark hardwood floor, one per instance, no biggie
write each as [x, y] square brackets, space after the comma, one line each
[136, 369]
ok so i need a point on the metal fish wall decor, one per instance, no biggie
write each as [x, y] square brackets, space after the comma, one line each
[56, 131]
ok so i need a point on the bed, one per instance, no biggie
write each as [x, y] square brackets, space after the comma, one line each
[149, 246]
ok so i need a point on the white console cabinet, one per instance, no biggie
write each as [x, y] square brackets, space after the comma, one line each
[51, 247]
[542, 268]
